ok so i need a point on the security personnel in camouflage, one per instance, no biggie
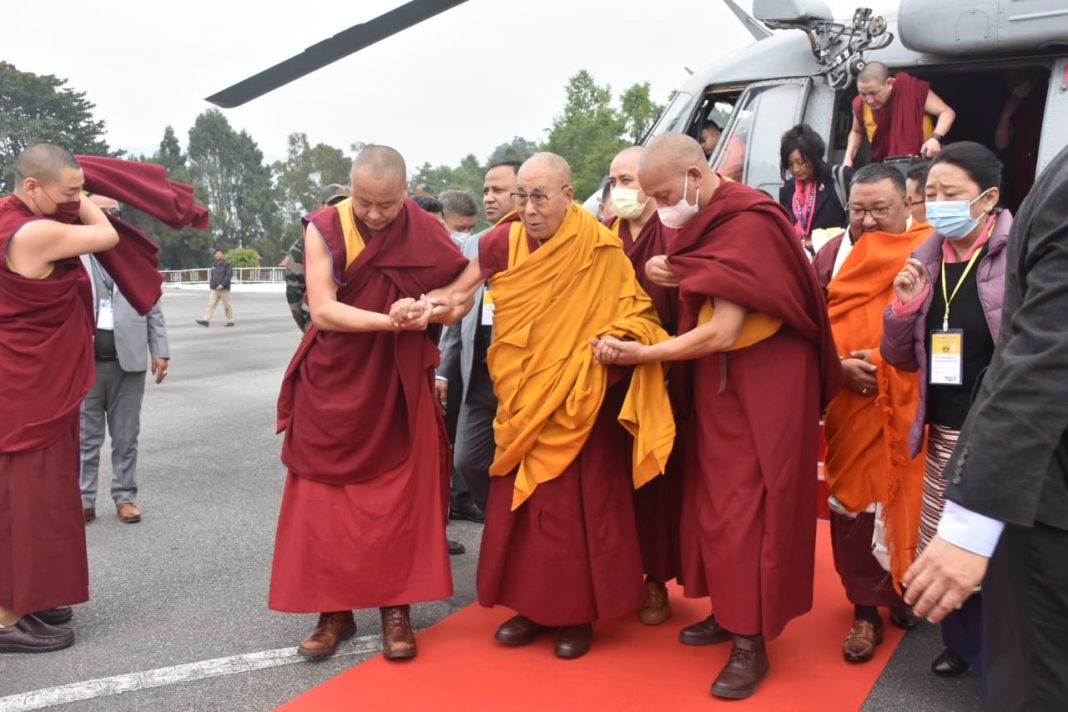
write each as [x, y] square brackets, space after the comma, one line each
[295, 286]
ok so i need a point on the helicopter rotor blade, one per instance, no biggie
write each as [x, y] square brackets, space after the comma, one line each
[330, 50]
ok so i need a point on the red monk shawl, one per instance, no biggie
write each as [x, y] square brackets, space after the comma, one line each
[742, 247]
[652, 241]
[347, 399]
[133, 262]
[899, 122]
[46, 346]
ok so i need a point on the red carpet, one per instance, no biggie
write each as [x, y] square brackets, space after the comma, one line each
[630, 666]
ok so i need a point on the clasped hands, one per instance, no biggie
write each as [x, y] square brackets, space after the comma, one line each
[416, 314]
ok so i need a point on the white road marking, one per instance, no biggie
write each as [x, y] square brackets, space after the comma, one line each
[173, 675]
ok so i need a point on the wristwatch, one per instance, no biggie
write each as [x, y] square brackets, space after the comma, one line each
[937, 136]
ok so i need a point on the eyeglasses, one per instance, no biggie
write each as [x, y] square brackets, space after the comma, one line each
[857, 213]
[537, 197]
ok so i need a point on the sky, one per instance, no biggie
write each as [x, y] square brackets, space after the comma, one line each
[462, 82]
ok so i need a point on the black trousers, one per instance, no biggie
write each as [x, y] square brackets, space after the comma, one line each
[1025, 620]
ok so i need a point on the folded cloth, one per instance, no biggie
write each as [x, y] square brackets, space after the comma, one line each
[134, 261]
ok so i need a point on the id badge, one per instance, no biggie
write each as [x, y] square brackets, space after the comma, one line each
[947, 357]
[487, 308]
[105, 316]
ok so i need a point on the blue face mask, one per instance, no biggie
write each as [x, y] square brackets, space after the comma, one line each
[952, 219]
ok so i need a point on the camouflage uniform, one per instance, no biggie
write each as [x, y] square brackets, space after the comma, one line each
[296, 287]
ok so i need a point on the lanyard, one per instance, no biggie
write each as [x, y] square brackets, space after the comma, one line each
[108, 283]
[971, 263]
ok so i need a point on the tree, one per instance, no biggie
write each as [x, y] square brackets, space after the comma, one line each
[639, 111]
[518, 149]
[228, 166]
[300, 178]
[36, 108]
[587, 133]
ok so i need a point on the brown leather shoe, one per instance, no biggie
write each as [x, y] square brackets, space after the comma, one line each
[332, 629]
[30, 635]
[859, 645]
[519, 630]
[398, 640]
[706, 632]
[89, 514]
[573, 641]
[746, 669]
[55, 616]
[655, 608]
[128, 512]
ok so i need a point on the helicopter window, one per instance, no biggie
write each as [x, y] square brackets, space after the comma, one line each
[674, 115]
[749, 148]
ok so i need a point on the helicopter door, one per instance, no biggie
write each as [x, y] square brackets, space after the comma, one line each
[749, 148]
[1055, 123]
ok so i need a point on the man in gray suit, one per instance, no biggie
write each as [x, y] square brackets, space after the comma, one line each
[1006, 516]
[123, 342]
[463, 357]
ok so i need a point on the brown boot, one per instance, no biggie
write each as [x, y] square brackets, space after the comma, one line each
[706, 632]
[655, 608]
[332, 629]
[746, 669]
[859, 645]
[398, 640]
[573, 641]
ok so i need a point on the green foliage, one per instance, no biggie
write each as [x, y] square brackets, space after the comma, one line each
[299, 179]
[518, 149]
[36, 108]
[590, 131]
[243, 257]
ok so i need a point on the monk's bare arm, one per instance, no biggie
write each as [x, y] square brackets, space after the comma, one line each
[935, 106]
[328, 314]
[458, 294]
[717, 334]
[451, 314]
[856, 138]
[42, 242]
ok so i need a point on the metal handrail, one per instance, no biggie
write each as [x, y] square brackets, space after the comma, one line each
[244, 275]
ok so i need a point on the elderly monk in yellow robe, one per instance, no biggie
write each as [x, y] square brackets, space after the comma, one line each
[560, 545]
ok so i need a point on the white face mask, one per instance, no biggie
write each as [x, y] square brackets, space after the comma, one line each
[677, 215]
[625, 202]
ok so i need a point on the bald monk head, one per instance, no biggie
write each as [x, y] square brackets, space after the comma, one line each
[628, 199]
[379, 186]
[673, 168]
[47, 176]
[874, 84]
[544, 194]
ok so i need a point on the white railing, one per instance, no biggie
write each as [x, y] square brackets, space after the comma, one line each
[242, 275]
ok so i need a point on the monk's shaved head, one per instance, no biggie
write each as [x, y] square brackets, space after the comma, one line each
[875, 72]
[45, 162]
[548, 164]
[380, 162]
[672, 149]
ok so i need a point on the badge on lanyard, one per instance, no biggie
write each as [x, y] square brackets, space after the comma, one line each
[105, 316]
[947, 357]
[487, 308]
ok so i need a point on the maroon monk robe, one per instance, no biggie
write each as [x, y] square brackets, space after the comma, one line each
[899, 122]
[133, 262]
[657, 504]
[569, 554]
[46, 368]
[749, 487]
[362, 522]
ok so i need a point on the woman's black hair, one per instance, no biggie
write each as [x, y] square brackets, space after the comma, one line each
[975, 159]
[812, 148]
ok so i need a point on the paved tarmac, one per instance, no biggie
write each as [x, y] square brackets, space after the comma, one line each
[189, 583]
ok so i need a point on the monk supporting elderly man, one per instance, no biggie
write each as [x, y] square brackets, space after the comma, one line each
[362, 522]
[756, 346]
[868, 461]
[656, 505]
[560, 545]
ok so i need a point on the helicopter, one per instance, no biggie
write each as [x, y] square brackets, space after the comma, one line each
[801, 68]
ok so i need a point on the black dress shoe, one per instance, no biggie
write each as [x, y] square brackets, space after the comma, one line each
[469, 511]
[573, 641]
[30, 635]
[904, 618]
[55, 616]
[949, 664]
[455, 548]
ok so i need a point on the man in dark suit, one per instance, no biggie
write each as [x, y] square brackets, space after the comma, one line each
[1006, 513]
[463, 359]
